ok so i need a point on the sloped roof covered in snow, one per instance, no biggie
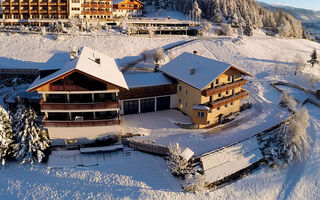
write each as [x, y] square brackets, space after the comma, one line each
[229, 160]
[146, 79]
[200, 107]
[205, 70]
[107, 70]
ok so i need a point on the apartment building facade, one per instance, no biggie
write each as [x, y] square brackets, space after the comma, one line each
[63, 9]
[34, 9]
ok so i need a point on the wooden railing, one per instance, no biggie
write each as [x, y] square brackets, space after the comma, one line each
[232, 98]
[79, 106]
[223, 88]
[66, 87]
[85, 123]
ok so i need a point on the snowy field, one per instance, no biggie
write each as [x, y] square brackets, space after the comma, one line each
[143, 176]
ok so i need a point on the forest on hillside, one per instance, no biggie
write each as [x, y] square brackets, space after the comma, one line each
[245, 15]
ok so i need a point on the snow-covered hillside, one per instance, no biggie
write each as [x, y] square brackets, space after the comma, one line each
[143, 176]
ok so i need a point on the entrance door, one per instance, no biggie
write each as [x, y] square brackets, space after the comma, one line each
[147, 105]
[220, 118]
[131, 107]
[163, 103]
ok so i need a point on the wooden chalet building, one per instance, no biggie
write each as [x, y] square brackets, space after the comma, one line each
[207, 89]
[34, 9]
[127, 8]
[80, 99]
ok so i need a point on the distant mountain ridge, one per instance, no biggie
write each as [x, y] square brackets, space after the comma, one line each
[310, 19]
[299, 13]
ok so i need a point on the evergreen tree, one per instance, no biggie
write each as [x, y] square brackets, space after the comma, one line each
[30, 139]
[314, 58]
[5, 135]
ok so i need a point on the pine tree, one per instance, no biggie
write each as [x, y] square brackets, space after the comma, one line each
[314, 58]
[30, 139]
[5, 135]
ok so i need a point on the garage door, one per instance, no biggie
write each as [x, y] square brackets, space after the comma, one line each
[163, 103]
[147, 105]
[131, 107]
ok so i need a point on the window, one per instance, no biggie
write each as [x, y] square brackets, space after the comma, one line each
[231, 103]
[210, 99]
[219, 95]
[186, 92]
[201, 114]
[208, 122]
[179, 101]
[217, 81]
[185, 104]
[229, 78]
[218, 108]
[180, 88]
[226, 105]
[227, 92]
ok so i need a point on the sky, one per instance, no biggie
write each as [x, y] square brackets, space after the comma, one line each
[308, 4]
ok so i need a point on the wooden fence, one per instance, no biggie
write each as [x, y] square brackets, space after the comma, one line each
[146, 146]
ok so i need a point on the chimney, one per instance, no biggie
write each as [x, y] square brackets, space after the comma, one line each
[195, 52]
[192, 70]
[97, 60]
[73, 53]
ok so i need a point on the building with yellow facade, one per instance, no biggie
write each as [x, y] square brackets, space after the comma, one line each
[208, 90]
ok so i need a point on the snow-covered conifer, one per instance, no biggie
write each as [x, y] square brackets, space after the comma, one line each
[30, 139]
[177, 164]
[314, 58]
[5, 135]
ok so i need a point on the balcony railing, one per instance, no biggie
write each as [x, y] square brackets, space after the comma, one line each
[79, 106]
[223, 88]
[85, 123]
[224, 101]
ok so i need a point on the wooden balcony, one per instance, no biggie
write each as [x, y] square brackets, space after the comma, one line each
[65, 87]
[79, 106]
[85, 123]
[223, 88]
[229, 99]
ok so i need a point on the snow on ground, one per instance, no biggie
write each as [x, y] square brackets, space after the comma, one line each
[37, 48]
[143, 176]
[164, 14]
[159, 126]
